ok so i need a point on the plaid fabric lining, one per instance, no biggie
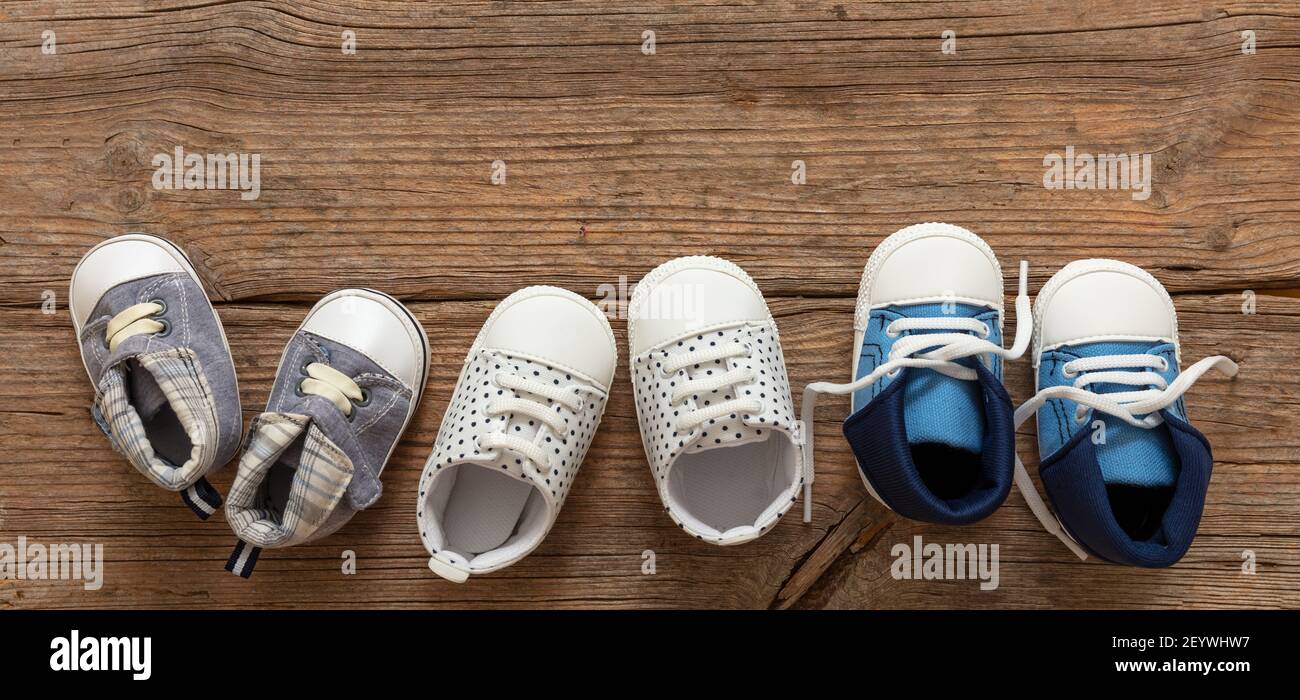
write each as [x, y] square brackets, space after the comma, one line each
[181, 380]
[319, 482]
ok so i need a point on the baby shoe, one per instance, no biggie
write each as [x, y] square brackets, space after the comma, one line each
[530, 395]
[165, 388]
[346, 388]
[931, 424]
[1124, 470]
[712, 397]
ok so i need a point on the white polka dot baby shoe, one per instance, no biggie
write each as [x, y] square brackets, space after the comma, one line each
[527, 404]
[713, 400]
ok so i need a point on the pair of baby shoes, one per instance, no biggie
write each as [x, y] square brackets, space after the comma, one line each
[166, 394]
[712, 396]
[933, 429]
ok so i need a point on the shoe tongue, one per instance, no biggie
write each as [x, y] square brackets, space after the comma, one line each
[291, 478]
[1130, 456]
[146, 395]
[941, 409]
[938, 408]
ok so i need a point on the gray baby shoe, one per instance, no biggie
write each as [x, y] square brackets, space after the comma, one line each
[153, 347]
[347, 386]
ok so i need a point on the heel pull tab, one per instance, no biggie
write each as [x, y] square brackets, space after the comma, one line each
[243, 559]
[202, 498]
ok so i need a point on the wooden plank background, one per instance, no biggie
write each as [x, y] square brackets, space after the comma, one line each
[375, 171]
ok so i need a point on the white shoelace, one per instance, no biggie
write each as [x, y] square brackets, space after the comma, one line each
[948, 347]
[1125, 405]
[549, 416]
[133, 320]
[710, 382]
[327, 382]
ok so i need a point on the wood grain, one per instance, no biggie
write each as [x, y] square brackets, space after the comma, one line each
[375, 172]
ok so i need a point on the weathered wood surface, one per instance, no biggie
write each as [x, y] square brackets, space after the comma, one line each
[375, 171]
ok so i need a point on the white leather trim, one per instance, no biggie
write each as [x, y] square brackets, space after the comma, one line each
[687, 295]
[557, 327]
[117, 260]
[376, 326]
[929, 261]
[1102, 300]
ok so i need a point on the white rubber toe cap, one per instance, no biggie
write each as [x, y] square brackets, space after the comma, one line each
[1099, 300]
[376, 326]
[684, 295]
[556, 326]
[930, 262]
[117, 260]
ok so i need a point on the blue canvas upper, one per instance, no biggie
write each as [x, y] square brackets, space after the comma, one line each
[920, 406]
[940, 409]
[1080, 471]
[1134, 456]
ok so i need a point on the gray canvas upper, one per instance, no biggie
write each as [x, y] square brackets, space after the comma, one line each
[167, 401]
[307, 468]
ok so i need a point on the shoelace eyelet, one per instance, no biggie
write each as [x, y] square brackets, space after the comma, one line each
[166, 328]
[1068, 372]
[889, 331]
[365, 400]
[302, 369]
[161, 303]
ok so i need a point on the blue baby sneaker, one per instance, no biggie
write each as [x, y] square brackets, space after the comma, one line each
[1124, 470]
[931, 424]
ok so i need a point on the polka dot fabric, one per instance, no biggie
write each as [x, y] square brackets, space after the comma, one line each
[770, 387]
[466, 420]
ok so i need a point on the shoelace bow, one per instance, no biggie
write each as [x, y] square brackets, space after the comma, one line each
[133, 320]
[327, 382]
[569, 397]
[1125, 405]
[947, 348]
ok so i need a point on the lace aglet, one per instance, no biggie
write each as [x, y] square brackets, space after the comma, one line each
[1230, 368]
[808, 412]
[1024, 317]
